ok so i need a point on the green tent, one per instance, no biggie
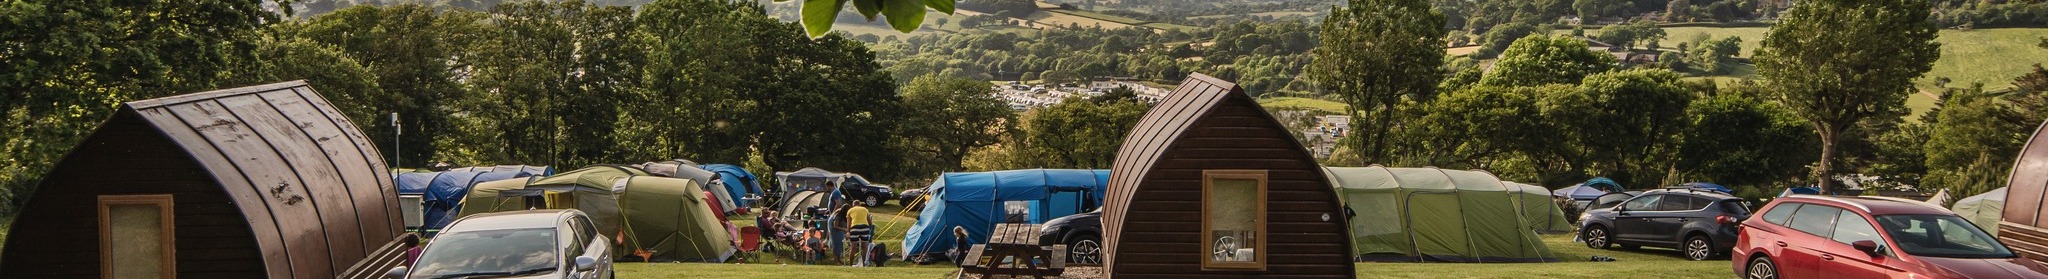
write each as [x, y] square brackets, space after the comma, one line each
[1984, 210]
[1435, 215]
[667, 218]
[1540, 209]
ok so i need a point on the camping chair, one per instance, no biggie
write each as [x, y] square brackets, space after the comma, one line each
[750, 242]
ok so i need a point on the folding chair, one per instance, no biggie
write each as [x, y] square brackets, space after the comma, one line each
[750, 242]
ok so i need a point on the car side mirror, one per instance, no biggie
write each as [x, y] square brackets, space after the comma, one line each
[1866, 246]
[395, 273]
[586, 263]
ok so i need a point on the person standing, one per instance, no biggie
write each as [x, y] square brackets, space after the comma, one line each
[861, 231]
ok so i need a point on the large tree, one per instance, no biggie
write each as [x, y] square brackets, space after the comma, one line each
[949, 117]
[1539, 59]
[1373, 54]
[415, 53]
[65, 65]
[564, 65]
[1624, 122]
[724, 80]
[1836, 62]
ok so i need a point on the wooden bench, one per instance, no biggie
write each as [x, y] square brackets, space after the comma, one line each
[1013, 250]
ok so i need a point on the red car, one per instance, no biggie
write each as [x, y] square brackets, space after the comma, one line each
[1802, 236]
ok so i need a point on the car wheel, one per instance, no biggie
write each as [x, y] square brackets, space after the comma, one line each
[1698, 248]
[1761, 268]
[1596, 237]
[873, 201]
[1084, 249]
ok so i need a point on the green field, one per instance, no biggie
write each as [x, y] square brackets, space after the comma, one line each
[1644, 263]
[1990, 56]
[1278, 103]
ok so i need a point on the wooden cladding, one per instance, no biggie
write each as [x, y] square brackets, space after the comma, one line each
[137, 237]
[1234, 219]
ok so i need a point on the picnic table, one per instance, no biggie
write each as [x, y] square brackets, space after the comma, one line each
[1013, 250]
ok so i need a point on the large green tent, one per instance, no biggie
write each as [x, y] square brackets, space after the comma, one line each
[1540, 209]
[1436, 215]
[666, 218]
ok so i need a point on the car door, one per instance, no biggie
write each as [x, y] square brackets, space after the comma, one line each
[594, 245]
[1670, 215]
[1838, 256]
[1800, 254]
[1631, 223]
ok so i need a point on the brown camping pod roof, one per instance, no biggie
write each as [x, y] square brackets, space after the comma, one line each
[314, 192]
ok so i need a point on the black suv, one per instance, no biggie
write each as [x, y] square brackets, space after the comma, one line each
[1082, 233]
[1702, 224]
[871, 195]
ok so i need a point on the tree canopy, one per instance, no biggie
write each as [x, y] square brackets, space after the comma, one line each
[1374, 56]
[1835, 62]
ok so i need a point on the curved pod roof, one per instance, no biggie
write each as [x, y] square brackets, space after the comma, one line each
[312, 195]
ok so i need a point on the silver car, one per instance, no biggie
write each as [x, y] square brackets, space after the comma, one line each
[524, 244]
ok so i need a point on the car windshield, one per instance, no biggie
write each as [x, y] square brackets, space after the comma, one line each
[493, 252]
[1943, 236]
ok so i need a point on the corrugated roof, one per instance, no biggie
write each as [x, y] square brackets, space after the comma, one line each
[1153, 135]
[313, 189]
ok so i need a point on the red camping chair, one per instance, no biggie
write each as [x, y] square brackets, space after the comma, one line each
[750, 241]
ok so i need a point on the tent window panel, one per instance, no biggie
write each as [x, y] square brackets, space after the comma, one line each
[1233, 222]
[136, 237]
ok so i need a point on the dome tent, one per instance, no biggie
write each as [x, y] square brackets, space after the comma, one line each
[739, 182]
[1984, 210]
[666, 217]
[686, 169]
[1471, 216]
[440, 193]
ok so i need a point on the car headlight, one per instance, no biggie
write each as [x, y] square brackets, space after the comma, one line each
[1584, 216]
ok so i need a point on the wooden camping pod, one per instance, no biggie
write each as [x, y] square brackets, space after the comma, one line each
[2022, 227]
[266, 181]
[1158, 203]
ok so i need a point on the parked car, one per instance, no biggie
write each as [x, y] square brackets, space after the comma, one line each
[909, 198]
[524, 244]
[1082, 233]
[1700, 224]
[1803, 236]
[869, 194]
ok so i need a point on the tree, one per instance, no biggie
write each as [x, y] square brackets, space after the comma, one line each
[1076, 133]
[724, 80]
[1375, 55]
[1835, 62]
[1626, 122]
[68, 64]
[1538, 60]
[1740, 139]
[1975, 129]
[1678, 11]
[415, 52]
[1709, 55]
[1632, 34]
[1496, 40]
[951, 117]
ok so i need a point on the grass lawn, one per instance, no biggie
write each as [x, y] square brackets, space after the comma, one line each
[1302, 103]
[1064, 19]
[1990, 56]
[1642, 263]
[1101, 16]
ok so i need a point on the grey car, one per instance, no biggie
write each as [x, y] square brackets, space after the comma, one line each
[1700, 224]
[528, 244]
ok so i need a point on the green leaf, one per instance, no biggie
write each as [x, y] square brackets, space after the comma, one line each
[819, 14]
[946, 6]
[905, 15]
[868, 8]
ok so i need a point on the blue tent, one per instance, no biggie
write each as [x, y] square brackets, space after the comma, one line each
[441, 193]
[1708, 187]
[1578, 192]
[977, 201]
[1800, 191]
[737, 181]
